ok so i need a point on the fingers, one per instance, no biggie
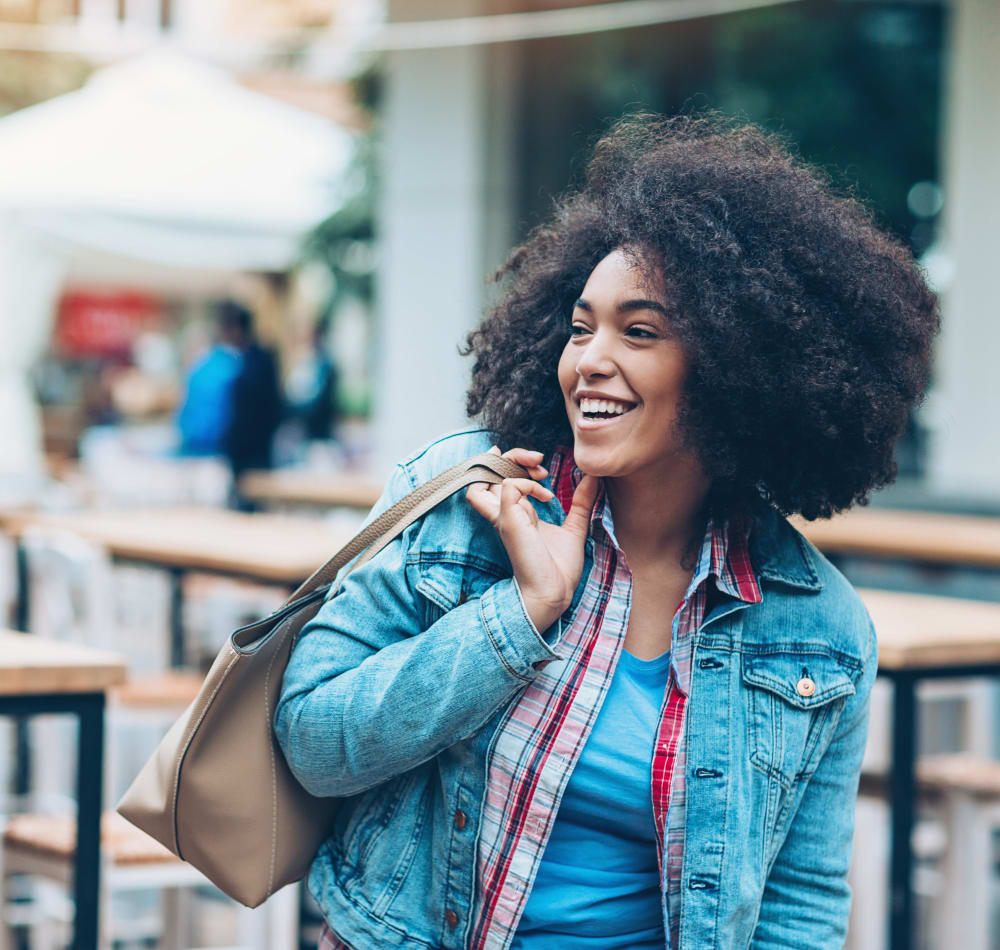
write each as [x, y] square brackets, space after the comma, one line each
[515, 491]
[485, 497]
[483, 501]
[578, 517]
[528, 458]
[493, 501]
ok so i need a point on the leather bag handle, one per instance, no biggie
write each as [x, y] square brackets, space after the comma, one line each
[486, 467]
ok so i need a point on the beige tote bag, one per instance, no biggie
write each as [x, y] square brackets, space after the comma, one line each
[217, 791]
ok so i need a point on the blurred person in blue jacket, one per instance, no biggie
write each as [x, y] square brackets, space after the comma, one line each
[233, 403]
[205, 415]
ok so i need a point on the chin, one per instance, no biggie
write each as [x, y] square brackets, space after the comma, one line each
[594, 463]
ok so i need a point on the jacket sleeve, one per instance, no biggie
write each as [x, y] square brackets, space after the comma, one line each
[369, 694]
[807, 899]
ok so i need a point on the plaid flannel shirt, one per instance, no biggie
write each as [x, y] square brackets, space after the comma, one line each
[540, 738]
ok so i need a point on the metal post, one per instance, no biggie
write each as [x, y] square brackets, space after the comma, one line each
[22, 745]
[22, 616]
[903, 792]
[89, 785]
[176, 618]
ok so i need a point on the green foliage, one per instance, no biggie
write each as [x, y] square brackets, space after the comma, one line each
[854, 86]
[344, 242]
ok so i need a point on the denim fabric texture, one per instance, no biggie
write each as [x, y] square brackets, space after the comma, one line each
[394, 691]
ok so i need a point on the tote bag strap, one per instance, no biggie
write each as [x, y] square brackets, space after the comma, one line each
[486, 467]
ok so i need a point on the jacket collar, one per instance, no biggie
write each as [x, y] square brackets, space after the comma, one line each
[779, 553]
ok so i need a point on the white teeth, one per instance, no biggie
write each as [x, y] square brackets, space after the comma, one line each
[588, 405]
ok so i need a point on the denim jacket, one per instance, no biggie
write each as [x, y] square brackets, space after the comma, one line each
[395, 689]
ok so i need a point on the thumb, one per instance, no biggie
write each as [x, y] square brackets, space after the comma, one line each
[578, 517]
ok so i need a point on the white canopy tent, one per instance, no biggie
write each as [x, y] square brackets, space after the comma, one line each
[161, 172]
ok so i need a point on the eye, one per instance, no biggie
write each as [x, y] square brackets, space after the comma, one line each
[640, 332]
[577, 329]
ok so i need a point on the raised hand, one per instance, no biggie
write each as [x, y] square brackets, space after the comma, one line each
[547, 558]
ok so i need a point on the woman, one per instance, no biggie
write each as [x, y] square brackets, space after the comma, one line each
[622, 703]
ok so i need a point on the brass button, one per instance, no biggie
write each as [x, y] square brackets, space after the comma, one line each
[805, 686]
[460, 819]
[451, 918]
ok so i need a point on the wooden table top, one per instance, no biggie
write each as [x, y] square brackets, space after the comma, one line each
[311, 488]
[918, 630]
[31, 664]
[265, 547]
[910, 535]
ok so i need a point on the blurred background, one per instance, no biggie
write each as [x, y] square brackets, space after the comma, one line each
[241, 241]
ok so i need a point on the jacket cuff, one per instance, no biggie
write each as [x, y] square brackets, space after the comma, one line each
[521, 647]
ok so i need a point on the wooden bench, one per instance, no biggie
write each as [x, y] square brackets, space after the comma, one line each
[937, 775]
[54, 837]
[166, 690]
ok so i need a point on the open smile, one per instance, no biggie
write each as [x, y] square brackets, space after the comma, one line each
[602, 413]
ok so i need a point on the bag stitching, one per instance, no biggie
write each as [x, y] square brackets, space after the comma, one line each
[186, 745]
[274, 777]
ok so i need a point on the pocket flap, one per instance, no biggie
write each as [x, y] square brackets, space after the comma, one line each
[448, 582]
[783, 674]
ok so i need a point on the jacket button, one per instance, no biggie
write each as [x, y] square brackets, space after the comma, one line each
[805, 686]
[460, 819]
[451, 918]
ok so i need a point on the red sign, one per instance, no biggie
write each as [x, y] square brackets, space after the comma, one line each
[102, 324]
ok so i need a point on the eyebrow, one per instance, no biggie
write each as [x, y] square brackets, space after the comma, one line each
[627, 306]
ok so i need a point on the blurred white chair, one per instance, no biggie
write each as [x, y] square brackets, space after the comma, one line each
[958, 890]
[134, 468]
[970, 790]
[76, 596]
[215, 606]
[43, 846]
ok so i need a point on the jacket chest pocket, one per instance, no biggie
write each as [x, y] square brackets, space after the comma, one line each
[445, 581]
[793, 700]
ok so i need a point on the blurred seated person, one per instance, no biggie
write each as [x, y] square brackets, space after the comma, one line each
[311, 388]
[233, 403]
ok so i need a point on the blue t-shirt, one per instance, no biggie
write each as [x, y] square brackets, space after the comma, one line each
[598, 882]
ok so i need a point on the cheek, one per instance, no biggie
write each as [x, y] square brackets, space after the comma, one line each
[566, 370]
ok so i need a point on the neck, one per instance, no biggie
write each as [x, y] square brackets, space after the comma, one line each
[659, 515]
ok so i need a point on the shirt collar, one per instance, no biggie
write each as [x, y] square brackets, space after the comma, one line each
[725, 548]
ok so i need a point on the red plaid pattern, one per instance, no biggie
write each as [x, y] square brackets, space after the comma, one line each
[328, 940]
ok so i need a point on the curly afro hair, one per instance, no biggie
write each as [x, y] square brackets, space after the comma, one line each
[807, 329]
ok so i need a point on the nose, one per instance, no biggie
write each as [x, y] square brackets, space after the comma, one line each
[596, 358]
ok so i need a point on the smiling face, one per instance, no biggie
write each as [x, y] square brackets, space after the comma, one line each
[622, 373]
